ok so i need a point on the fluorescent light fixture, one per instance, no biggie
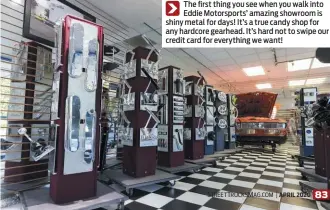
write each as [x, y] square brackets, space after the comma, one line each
[317, 64]
[297, 82]
[300, 65]
[254, 71]
[264, 86]
[315, 81]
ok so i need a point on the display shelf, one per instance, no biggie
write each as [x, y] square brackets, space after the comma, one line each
[39, 199]
[129, 182]
[182, 168]
[310, 186]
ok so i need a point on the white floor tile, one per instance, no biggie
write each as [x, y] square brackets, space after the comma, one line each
[225, 195]
[215, 185]
[259, 163]
[262, 160]
[270, 183]
[151, 188]
[226, 176]
[251, 175]
[234, 169]
[292, 163]
[279, 159]
[217, 170]
[247, 207]
[223, 164]
[242, 164]
[285, 206]
[276, 168]
[291, 181]
[255, 168]
[199, 176]
[266, 156]
[183, 186]
[273, 174]
[231, 160]
[194, 198]
[248, 160]
[154, 200]
[205, 208]
[266, 195]
[291, 167]
[294, 173]
[242, 183]
[128, 201]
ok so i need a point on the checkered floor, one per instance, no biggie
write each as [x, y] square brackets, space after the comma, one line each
[259, 172]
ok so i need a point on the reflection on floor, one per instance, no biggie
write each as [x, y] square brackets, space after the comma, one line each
[252, 180]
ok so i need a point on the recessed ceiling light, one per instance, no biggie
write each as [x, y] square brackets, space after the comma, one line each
[254, 71]
[315, 81]
[264, 86]
[300, 65]
[297, 82]
[317, 64]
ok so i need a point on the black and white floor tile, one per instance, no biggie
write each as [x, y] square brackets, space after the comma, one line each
[258, 172]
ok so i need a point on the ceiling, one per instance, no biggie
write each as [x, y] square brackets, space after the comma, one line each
[221, 67]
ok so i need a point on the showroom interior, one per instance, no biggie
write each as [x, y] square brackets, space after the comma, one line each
[95, 114]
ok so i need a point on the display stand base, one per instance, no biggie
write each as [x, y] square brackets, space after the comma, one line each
[110, 163]
[178, 169]
[16, 187]
[325, 205]
[218, 155]
[39, 199]
[231, 151]
[310, 186]
[311, 173]
[302, 158]
[129, 182]
[203, 161]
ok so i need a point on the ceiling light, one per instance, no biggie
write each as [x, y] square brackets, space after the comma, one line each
[264, 86]
[300, 65]
[297, 82]
[315, 81]
[254, 71]
[317, 64]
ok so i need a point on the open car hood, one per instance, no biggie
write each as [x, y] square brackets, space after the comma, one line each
[256, 104]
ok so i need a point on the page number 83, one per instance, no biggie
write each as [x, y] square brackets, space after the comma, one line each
[321, 194]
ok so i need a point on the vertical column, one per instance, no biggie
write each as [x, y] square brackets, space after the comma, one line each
[194, 131]
[170, 129]
[138, 130]
[232, 115]
[320, 152]
[327, 154]
[80, 57]
[209, 120]
[221, 115]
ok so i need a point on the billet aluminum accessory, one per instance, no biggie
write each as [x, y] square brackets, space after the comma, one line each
[222, 96]
[222, 123]
[146, 133]
[129, 68]
[127, 100]
[151, 67]
[76, 50]
[222, 109]
[188, 88]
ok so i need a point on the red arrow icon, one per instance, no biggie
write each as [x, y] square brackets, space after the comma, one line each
[172, 8]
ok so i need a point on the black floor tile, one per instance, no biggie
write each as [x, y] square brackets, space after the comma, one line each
[220, 204]
[236, 189]
[272, 178]
[182, 205]
[291, 186]
[169, 192]
[230, 172]
[191, 180]
[253, 171]
[219, 179]
[238, 166]
[244, 160]
[136, 194]
[267, 188]
[274, 165]
[247, 179]
[206, 172]
[138, 206]
[184, 173]
[205, 191]
[300, 202]
[256, 165]
[262, 203]
[274, 171]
